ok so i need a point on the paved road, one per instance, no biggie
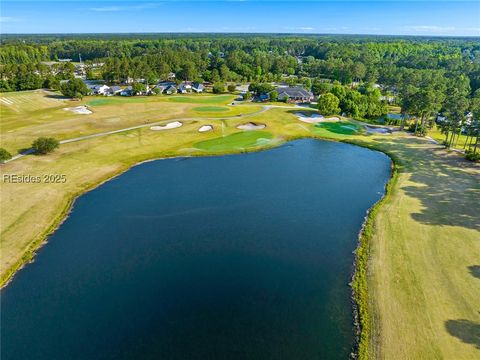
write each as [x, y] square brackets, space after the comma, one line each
[105, 133]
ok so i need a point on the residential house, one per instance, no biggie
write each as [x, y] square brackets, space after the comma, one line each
[198, 87]
[185, 87]
[294, 94]
[100, 89]
[114, 90]
[170, 90]
[128, 91]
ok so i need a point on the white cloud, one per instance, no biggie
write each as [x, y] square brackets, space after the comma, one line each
[306, 28]
[429, 28]
[4, 19]
[116, 8]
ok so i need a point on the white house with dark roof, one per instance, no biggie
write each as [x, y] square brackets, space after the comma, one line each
[171, 89]
[198, 87]
[294, 94]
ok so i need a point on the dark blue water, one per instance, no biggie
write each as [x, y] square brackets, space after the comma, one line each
[233, 257]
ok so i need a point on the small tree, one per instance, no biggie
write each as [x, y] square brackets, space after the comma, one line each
[44, 145]
[328, 104]
[218, 88]
[156, 90]
[138, 88]
[74, 88]
[274, 96]
[231, 88]
[247, 96]
[4, 155]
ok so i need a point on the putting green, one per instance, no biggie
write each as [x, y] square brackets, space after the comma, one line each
[211, 109]
[241, 140]
[340, 127]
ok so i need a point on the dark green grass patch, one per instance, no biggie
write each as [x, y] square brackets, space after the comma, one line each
[237, 141]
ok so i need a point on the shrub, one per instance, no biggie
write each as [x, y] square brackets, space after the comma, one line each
[218, 88]
[231, 88]
[274, 96]
[470, 155]
[44, 145]
[4, 155]
[421, 129]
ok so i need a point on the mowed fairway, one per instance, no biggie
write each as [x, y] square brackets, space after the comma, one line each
[423, 277]
[32, 114]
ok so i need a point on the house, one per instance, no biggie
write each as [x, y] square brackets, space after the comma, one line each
[263, 97]
[163, 85]
[127, 91]
[197, 87]
[184, 87]
[99, 89]
[170, 90]
[171, 76]
[294, 94]
[114, 90]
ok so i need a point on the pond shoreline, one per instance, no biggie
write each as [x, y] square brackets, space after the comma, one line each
[359, 296]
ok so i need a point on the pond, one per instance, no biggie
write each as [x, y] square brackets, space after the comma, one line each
[230, 257]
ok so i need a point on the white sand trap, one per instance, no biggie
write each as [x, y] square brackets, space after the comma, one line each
[82, 109]
[251, 126]
[378, 130]
[205, 128]
[313, 119]
[171, 125]
[333, 118]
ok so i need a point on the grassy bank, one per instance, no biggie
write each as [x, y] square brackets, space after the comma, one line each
[417, 278]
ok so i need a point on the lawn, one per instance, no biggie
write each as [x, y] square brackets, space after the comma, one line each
[423, 277]
[436, 134]
[211, 109]
[201, 99]
[339, 127]
[237, 141]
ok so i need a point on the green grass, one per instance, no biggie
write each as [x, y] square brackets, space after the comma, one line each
[237, 141]
[201, 99]
[211, 109]
[339, 127]
[118, 100]
[437, 135]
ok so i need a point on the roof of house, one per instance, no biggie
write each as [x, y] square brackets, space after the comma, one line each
[197, 86]
[294, 92]
[115, 88]
[171, 87]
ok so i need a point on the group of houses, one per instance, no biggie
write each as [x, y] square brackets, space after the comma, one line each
[296, 94]
[165, 87]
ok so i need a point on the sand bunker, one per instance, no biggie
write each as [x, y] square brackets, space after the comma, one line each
[82, 109]
[171, 125]
[251, 126]
[378, 130]
[313, 119]
[333, 118]
[205, 128]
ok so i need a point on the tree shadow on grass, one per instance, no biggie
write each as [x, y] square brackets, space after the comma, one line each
[447, 186]
[465, 330]
[475, 270]
[57, 97]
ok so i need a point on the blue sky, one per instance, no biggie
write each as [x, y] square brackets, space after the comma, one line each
[451, 18]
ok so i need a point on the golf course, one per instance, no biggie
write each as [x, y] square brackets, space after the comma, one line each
[417, 277]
